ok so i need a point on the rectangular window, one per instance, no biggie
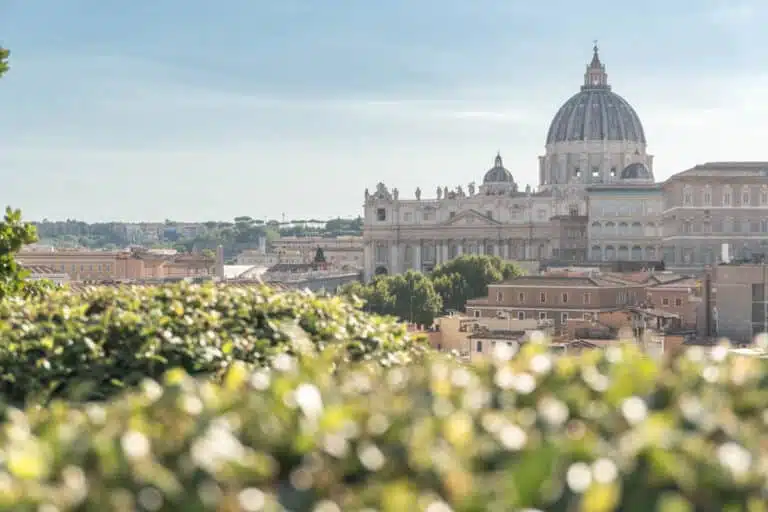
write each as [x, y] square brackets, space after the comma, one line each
[564, 318]
[542, 297]
[587, 298]
[565, 298]
[521, 298]
[407, 217]
[542, 315]
[665, 301]
[381, 214]
[451, 215]
[489, 214]
[476, 313]
[479, 346]
[521, 315]
[499, 297]
[678, 302]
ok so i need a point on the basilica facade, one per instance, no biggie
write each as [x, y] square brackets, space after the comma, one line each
[596, 200]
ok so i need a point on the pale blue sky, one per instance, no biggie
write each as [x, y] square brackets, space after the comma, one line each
[193, 110]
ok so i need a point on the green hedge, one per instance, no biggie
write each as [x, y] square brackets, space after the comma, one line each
[88, 345]
[601, 431]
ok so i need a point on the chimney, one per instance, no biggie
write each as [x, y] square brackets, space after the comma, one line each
[263, 244]
[220, 262]
[725, 253]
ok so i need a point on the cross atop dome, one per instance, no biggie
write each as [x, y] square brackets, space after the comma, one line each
[595, 77]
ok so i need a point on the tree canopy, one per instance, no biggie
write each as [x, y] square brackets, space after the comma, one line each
[467, 277]
[15, 234]
[420, 298]
[410, 296]
[319, 255]
[4, 53]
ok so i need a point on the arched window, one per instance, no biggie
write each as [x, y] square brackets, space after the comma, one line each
[687, 196]
[727, 195]
[596, 253]
[745, 199]
[597, 228]
[707, 195]
[637, 253]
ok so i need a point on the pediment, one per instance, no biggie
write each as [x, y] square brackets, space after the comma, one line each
[471, 218]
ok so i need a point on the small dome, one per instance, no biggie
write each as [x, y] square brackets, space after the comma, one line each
[636, 171]
[498, 174]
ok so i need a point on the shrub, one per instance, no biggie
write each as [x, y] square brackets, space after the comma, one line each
[91, 344]
[601, 431]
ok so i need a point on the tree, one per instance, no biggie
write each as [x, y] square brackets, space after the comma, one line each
[3, 60]
[410, 296]
[319, 255]
[15, 234]
[468, 277]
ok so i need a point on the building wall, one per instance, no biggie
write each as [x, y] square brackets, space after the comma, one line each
[713, 204]
[676, 300]
[739, 292]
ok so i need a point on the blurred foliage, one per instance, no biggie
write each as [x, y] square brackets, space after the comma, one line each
[90, 345]
[601, 431]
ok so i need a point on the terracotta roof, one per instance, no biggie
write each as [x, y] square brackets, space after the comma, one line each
[42, 269]
[577, 281]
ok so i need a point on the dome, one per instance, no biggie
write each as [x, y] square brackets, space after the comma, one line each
[498, 174]
[596, 113]
[636, 171]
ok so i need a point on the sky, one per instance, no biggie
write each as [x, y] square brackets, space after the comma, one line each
[194, 110]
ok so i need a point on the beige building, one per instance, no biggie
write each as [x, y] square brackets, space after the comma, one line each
[740, 301]
[111, 265]
[712, 204]
[339, 251]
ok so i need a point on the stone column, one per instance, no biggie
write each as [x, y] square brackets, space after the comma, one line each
[368, 263]
[394, 258]
[481, 247]
[446, 255]
[460, 248]
[497, 248]
[417, 256]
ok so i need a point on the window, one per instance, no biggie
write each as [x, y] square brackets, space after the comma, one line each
[521, 315]
[542, 315]
[499, 297]
[407, 217]
[521, 297]
[687, 196]
[564, 298]
[428, 216]
[479, 346]
[665, 301]
[476, 313]
[489, 214]
[727, 196]
[381, 214]
[613, 172]
[564, 318]
[764, 196]
[707, 196]
[99, 267]
[577, 172]
[451, 215]
[587, 298]
[745, 196]
[595, 172]
[82, 268]
[542, 297]
[678, 302]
